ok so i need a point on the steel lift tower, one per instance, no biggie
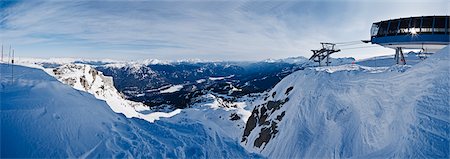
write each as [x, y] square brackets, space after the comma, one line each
[324, 53]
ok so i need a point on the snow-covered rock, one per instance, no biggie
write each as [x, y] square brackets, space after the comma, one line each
[86, 78]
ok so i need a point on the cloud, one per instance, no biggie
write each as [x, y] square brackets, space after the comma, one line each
[212, 30]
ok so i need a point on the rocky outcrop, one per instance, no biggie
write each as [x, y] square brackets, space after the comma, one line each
[264, 119]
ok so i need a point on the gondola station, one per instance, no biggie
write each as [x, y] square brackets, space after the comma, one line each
[425, 33]
[428, 33]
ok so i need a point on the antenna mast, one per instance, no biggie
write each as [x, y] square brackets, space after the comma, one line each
[9, 54]
[12, 67]
[12, 61]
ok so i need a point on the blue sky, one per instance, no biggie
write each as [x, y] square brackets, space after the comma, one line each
[207, 30]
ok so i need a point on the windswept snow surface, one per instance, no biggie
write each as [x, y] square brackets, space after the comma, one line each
[351, 112]
[42, 118]
[365, 69]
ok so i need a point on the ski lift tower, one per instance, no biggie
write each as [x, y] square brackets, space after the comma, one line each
[428, 33]
[324, 53]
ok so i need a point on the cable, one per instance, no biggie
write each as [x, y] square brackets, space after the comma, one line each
[362, 47]
[348, 42]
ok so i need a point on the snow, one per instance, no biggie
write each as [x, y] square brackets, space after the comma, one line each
[350, 112]
[60, 61]
[174, 88]
[220, 78]
[352, 67]
[43, 118]
[201, 81]
[116, 65]
[386, 61]
[216, 102]
[155, 62]
[217, 113]
[46, 60]
[291, 60]
[140, 95]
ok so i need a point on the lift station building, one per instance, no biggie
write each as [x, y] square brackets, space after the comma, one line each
[429, 33]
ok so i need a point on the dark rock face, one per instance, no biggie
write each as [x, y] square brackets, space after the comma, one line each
[266, 134]
[251, 124]
[84, 82]
[265, 118]
[259, 117]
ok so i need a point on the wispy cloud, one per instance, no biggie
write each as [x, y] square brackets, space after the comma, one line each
[213, 30]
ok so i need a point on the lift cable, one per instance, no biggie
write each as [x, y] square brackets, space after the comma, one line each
[327, 49]
[346, 42]
[361, 47]
[349, 44]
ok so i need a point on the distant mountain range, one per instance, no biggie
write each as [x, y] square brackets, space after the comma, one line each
[146, 82]
[175, 84]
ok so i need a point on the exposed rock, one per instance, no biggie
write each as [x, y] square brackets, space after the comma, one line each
[234, 117]
[69, 81]
[251, 124]
[263, 116]
[280, 117]
[93, 72]
[84, 82]
[275, 105]
[260, 115]
[266, 134]
[289, 90]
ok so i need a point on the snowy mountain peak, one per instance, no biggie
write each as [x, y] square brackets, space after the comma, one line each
[154, 62]
[290, 60]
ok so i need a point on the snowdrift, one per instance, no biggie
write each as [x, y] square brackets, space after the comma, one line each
[41, 118]
[356, 112]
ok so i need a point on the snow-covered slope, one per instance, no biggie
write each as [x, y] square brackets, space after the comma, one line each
[85, 78]
[354, 111]
[388, 60]
[42, 118]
